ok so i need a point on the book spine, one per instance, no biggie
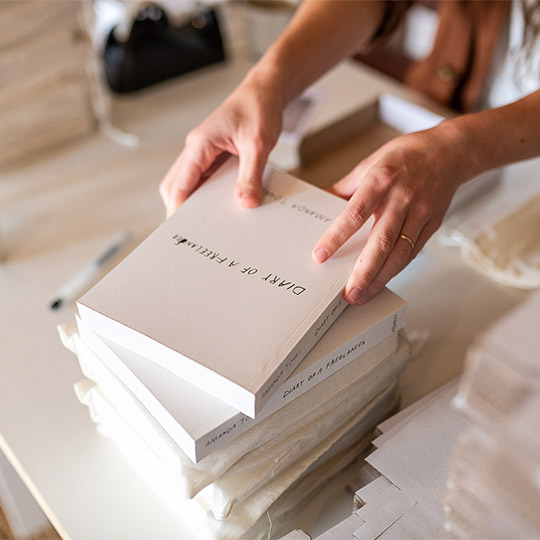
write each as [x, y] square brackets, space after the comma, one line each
[301, 382]
[304, 345]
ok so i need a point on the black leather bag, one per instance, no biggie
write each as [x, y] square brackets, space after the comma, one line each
[156, 51]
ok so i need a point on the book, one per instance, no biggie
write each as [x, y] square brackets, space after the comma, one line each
[226, 298]
[203, 429]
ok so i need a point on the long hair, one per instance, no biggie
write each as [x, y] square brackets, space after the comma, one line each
[529, 60]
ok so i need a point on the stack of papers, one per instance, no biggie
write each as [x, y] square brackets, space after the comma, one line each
[463, 461]
[493, 488]
[407, 472]
[222, 360]
[45, 96]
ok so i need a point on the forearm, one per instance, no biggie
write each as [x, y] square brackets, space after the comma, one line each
[322, 33]
[496, 137]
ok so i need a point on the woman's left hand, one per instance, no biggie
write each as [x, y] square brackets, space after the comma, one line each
[407, 186]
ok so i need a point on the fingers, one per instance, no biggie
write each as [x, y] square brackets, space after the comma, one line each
[195, 164]
[181, 180]
[359, 208]
[398, 258]
[248, 187]
[415, 232]
[406, 185]
[200, 158]
[402, 226]
[381, 244]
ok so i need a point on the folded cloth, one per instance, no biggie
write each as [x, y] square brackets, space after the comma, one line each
[506, 248]
[243, 516]
[190, 477]
[266, 461]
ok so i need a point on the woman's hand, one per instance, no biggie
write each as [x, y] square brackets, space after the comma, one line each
[408, 183]
[247, 125]
[407, 186]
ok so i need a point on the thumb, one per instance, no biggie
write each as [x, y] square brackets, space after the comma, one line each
[191, 168]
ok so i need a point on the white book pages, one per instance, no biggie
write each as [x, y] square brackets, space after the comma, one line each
[169, 399]
[175, 433]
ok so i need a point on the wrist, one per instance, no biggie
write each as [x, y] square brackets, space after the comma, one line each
[266, 79]
[458, 141]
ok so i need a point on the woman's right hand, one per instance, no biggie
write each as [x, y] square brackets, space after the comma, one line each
[247, 124]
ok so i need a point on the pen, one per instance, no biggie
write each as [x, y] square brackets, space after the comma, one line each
[89, 273]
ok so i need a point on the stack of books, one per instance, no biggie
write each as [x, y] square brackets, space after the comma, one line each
[45, 95]
[223, 362]
[493, 489]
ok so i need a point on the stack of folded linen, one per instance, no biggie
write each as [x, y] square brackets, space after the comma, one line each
[493, 489]
[45, 93]
[253, 483]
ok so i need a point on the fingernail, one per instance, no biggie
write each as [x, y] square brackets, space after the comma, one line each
[249, 199]
[320, 255]
[245, 192]
[354, 294]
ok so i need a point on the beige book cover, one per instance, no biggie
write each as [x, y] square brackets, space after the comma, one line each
[229, 299]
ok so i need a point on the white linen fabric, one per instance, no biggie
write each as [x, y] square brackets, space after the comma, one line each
[257, 467]
[503, 245]
[271, 497]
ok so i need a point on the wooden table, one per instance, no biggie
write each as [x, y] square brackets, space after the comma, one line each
[59, 212]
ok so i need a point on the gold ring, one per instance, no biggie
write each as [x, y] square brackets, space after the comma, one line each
[405, 237]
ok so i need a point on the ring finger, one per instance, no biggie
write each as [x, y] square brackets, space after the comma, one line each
[400, 256]
[381, 242]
